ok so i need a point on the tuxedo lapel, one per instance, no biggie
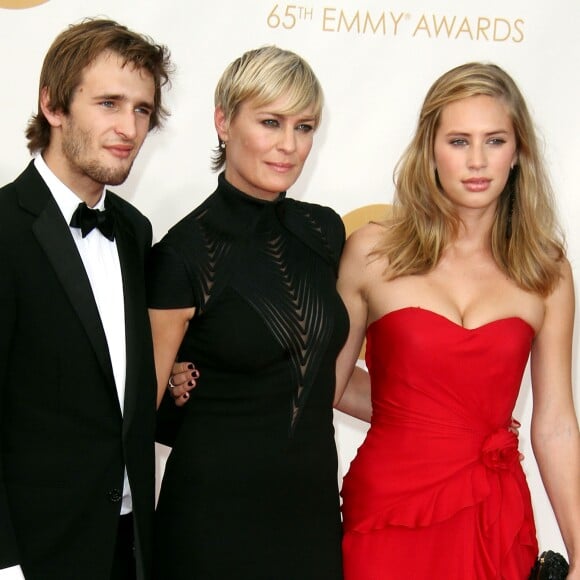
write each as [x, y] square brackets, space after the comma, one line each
[53, 234]
[134, 301]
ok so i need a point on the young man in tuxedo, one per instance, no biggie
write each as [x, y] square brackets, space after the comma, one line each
[77, 380]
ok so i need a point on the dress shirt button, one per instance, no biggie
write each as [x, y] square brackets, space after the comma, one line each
[114, 495]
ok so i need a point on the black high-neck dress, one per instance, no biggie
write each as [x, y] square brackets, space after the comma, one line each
[250, 488]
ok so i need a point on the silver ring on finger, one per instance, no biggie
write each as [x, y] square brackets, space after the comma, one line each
[170, 384]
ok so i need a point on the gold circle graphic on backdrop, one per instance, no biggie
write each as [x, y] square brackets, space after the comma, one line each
[359, 217]
[363, 215]
[20, 3]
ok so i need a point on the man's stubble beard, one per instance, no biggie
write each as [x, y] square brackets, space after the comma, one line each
[76, 144]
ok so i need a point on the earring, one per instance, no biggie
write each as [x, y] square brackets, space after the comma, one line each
[222, 145]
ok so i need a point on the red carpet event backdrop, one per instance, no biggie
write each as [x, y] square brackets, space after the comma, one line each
[375, 59]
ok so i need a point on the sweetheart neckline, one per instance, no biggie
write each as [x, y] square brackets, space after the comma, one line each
[453, 323]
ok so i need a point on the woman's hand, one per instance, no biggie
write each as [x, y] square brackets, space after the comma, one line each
[183, 378]
[515, 429]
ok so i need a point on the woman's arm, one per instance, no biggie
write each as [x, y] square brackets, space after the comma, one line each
[168, 328]
[555, 434]
[352, 395]
[356, 398]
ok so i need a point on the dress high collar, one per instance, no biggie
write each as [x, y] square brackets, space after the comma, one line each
[226, 189]
[239, 213]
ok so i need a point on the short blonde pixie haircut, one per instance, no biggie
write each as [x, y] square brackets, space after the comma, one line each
[263, 75]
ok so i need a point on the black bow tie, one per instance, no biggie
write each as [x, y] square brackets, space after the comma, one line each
[88, 219]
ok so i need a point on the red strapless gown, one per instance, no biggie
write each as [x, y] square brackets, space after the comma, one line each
[436, 490]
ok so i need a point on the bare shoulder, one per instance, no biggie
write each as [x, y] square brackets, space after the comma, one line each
[365, 239]
[564, 288]
[563, 293]
[559, 307]
[358, 264]
[566, 271]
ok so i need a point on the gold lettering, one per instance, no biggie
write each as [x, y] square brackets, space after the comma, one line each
[496, 25]
[483, 25]
[464, 28]
[396, 21]
[355, 22]
[423, 26]
[381, 21]
[329, 18]
[520, 37]
[438, 26]
[481, 28]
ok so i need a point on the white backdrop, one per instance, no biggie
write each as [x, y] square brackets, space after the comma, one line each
[375, 60]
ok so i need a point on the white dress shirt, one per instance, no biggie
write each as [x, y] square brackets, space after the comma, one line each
[12, 573]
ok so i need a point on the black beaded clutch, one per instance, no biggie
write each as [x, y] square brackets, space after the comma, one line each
[549, 566]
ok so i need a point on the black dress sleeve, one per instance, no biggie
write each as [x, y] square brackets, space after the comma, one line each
[334, 232]
[168, 282]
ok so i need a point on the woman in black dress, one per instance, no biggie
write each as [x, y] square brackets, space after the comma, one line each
[245, 286]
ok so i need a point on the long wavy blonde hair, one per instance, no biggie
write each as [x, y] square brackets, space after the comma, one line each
[526, 240]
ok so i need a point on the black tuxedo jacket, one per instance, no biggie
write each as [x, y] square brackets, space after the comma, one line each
[63, 440]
